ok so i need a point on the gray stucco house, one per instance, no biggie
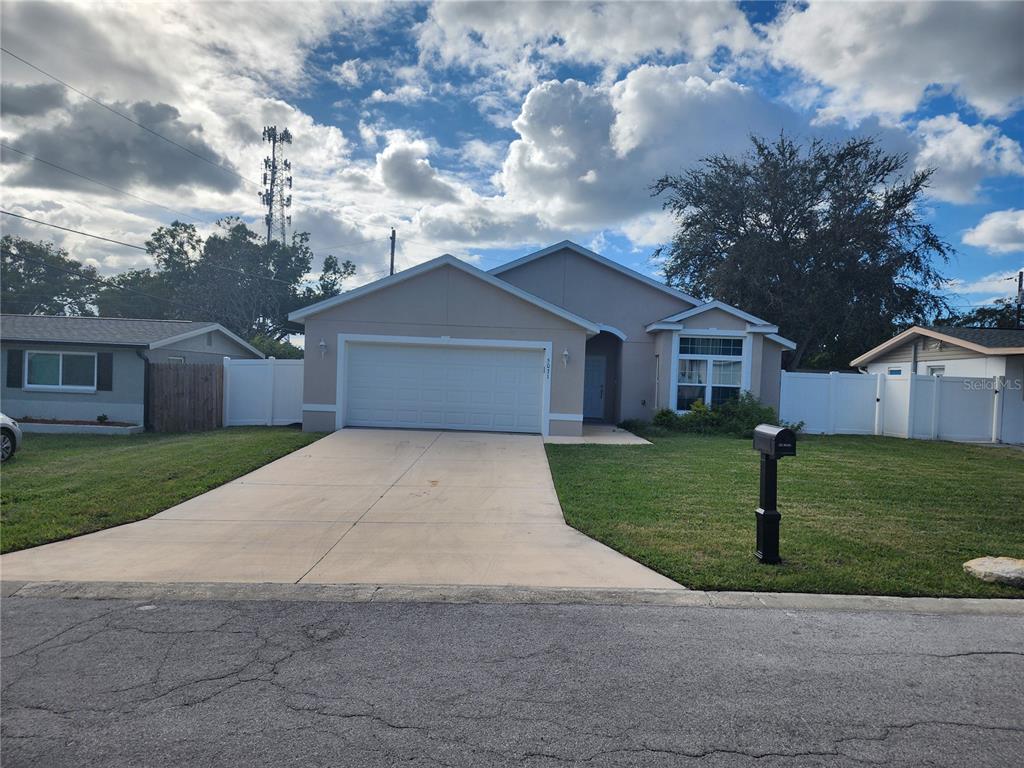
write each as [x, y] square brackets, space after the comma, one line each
[77, 368]
[536, 345]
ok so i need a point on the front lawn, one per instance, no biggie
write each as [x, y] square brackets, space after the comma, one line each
[860, 515]
[58, 486]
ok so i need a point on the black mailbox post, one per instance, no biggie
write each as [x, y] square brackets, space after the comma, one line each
[773, 443]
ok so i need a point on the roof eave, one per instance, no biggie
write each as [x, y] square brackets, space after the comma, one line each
[915, 330]
[445, 260]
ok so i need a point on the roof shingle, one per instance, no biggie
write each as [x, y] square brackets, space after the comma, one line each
[985, 337]
[93, 330]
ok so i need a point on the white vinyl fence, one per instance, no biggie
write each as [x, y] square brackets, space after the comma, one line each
[916, 406]
[267, 392]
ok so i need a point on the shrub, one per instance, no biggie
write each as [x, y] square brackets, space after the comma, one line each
[735, 417]
[102, 418]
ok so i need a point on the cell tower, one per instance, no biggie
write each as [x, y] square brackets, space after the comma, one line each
[277, 183]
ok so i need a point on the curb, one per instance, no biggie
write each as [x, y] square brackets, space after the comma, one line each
[468, 595]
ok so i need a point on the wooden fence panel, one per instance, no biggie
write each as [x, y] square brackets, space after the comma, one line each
[185, 398]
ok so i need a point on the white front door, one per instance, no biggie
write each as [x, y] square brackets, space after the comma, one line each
[422, 386]
[593, 387]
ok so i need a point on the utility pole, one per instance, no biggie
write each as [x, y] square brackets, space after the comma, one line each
[276, 179]
[1020, 296]
[392, 252]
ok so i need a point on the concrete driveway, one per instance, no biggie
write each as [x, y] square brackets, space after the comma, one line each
[360, 506]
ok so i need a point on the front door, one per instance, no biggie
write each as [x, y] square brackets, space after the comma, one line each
[593, 387]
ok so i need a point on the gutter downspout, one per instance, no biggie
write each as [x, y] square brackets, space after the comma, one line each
[657, 380]
[913, 359]
[145, 388]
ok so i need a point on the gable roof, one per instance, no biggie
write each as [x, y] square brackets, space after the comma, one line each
[754, 324]
[442, 261]
[586, 252]
[727, 308]
[108, 331]
[984, 341]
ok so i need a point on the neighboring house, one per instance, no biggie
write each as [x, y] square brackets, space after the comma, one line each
[537, 345]
[948, 351]
[77, 368]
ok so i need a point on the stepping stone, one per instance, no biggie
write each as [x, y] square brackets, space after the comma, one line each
[1005, 570]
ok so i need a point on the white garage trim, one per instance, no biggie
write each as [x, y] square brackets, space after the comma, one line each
[319, 407]
[344, 339]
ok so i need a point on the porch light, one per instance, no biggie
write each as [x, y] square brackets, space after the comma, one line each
[323, 349]
[565, 358]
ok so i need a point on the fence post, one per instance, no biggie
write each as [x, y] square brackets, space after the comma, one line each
[832, 382]
[910, 405]
[936, 398]
[270, 393]
[227, 389]
[997, 407]
[879, 404]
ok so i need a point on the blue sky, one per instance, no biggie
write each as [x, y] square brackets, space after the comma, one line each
[488, 129]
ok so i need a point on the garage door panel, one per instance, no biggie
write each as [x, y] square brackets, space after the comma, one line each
[439, 387]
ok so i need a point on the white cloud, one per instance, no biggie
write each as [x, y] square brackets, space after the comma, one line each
[998, 232]
[349, 73]
[997, 285]
[963, 155]
[519, 41]
[882, 58]
[654, 121]
[404, 94]
[406, 171]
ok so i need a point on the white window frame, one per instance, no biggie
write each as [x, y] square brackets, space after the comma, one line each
[59, 387]
[931, 369]
[176, 359]
[744, 359]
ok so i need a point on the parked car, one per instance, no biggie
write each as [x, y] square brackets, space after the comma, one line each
[10, 437]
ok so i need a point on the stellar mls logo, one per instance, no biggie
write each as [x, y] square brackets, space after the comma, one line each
[978, 385]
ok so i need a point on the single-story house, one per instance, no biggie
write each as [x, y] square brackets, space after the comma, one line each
[77, 368]
[948, 351]
[536, 345]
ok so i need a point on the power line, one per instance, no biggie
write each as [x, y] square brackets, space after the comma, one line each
[104, 282]
[75, 231]
[101, 183]
[129, 119]
[140, 248]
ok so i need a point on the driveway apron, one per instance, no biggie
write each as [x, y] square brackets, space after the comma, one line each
[359, 506]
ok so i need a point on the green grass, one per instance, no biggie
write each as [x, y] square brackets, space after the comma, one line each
[58, 486]
[860, 515]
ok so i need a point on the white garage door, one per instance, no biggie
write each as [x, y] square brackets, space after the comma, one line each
[444, 387]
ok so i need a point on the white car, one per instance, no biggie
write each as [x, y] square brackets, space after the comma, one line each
[10, 437]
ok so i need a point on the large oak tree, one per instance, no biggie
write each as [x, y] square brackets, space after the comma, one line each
[826, 240]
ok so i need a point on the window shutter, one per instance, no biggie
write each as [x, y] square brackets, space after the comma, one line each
[15, 360]
[104, 371]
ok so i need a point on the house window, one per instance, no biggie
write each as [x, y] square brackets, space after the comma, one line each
[710, 370]
[60, 371]
[936, 370]
[178, 360]
[895, 371]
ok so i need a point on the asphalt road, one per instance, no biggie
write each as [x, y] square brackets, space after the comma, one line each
[272, 683]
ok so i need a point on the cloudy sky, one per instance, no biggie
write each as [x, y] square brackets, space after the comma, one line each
[489, 129]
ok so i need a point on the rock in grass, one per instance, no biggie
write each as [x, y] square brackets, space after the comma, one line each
[1005, 570]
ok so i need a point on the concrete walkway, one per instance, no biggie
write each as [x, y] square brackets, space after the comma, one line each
[360, 507]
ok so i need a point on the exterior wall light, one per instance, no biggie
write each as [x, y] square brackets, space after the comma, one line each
[323, 349]
[565, 358]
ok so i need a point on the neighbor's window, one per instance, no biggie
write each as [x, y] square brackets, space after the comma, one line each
[895, 371]
[699, 355]
[67, 371]
[936, 370]
[179, 360]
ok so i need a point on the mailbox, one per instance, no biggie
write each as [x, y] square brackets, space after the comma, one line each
[774, 442]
